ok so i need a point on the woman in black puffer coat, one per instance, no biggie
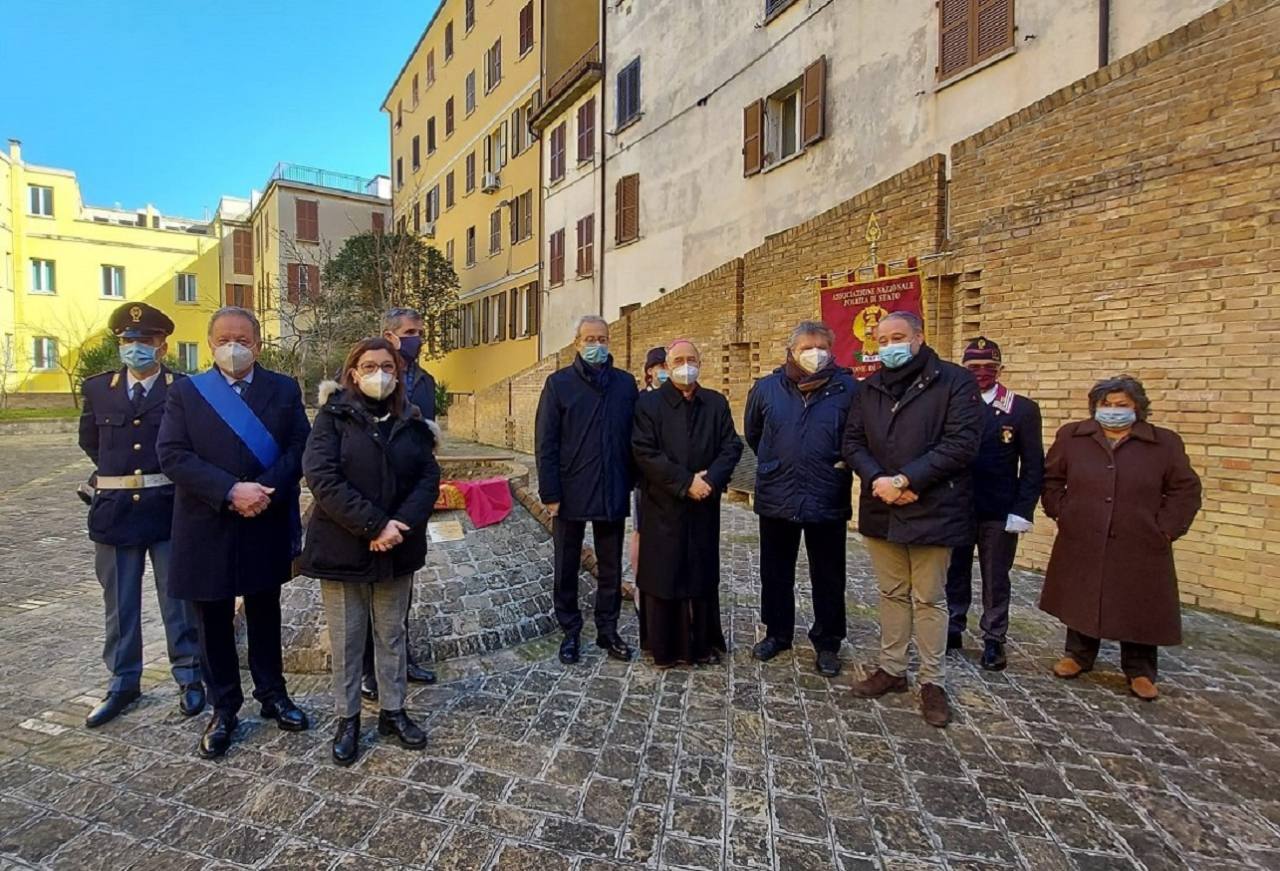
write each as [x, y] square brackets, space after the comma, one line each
[371, 469]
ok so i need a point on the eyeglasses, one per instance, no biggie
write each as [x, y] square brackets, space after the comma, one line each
[369, 368]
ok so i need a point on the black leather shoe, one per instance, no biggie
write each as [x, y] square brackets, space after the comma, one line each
[828, 663]
[416, 674]
[288, 716]
[569, 649]
[191, 699]
[615, 647]
[346, 740]
[217, 735]
[111, 706]
[369, 688]
[993, 656]
[769, 648]
[955, 641]
[398, 723]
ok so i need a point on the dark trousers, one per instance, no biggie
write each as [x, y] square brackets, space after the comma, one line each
[370, 675]
[779, 548]
[218, 649]
[567, 536]
[1136, 660]
[996, 549]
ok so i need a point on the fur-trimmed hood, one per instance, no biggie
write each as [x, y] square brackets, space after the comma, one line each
[329, 389]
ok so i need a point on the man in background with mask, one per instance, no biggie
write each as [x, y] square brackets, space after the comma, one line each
[232, 440]
[911, 437]
[131, 511]
[1007, 478]
[402, 327]
[794, 423]
[582, 441]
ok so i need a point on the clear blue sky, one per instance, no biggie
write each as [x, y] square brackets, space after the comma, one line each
[178, 103]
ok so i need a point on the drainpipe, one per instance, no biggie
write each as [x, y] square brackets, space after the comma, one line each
[1104, 33]
[604, 143]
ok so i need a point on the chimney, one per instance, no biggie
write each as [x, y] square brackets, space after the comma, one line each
[15, 150]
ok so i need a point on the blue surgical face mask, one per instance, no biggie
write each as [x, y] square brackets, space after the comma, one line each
[410, 347]
[896, 356]
[663, 376]
[595, 353]
[137, 356]
[1115, 418]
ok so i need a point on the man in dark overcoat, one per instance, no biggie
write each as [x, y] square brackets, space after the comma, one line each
[131, 510]
[686, 449]
[1007, 477]
[232, 441]
[911, 437]
[582, 442]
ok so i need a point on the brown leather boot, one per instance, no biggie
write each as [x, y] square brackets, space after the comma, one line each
[879, 683]
[1144, 688]
[1067, 668]
[933, 705]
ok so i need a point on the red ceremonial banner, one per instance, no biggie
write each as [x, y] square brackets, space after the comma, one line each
[853, 310]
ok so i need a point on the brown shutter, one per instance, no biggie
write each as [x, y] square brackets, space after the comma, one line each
[813, 96]
[379, 223]
[502, 317]
[628, 208]
[993, 28]
[953, 43]
[753, 138]
[294, 284]
[313, 281]
[248, 296]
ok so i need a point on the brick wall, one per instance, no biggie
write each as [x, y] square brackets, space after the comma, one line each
[1126, 223]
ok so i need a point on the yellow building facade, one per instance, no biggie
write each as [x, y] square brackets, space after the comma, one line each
[465, 171]
[67, 266]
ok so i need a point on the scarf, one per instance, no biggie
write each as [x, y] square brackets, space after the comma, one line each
[898, 381]
[808, 382]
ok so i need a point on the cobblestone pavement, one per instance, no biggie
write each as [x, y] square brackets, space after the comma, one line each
[608, 765]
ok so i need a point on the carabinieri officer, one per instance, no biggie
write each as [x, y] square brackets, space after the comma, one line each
[131, 511]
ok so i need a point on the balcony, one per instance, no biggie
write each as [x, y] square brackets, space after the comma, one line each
[553, 99]
[324, 178]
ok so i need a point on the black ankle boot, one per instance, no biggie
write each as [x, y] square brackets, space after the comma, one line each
[398, 723]
[346, 740]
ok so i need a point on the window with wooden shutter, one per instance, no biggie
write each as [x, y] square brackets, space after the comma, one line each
[486, 321]
[502, 317]
[753, 138]
[242, 252]
[813, 102]
[415, 90]
[971, 31]
[240, 295]
[448, 117]
[557, 257]
[557, 151]
[313, 280]
[293, 282]
[495, 231]
[526, 27]
[513, 313]
[627, 209]
[586, 246]
[469, 14]
[471, 172]
[431, 135]
[448, 40]
[431, 67]
[628, 93]
[526, 215]
[587, 130]
[415, 152]
[448, 190]
[379, 222]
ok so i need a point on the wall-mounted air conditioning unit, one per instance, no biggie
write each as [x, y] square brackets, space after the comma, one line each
[490, 184]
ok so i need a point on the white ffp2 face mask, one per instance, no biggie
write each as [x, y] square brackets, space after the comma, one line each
[812, 359]
[377, 385]
[684, 374]
[232, 357]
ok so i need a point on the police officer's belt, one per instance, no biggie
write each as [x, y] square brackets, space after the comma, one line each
[131, 482]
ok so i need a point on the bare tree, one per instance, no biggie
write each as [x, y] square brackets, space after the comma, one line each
[73, 331]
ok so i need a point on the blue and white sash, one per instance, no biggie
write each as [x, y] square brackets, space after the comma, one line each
[237, 415]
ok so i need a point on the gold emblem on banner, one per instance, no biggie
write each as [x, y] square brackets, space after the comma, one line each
[864, 327]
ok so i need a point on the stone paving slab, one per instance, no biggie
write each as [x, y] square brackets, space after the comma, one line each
[606, 765]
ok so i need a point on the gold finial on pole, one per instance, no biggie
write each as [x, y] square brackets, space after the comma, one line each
[873, 237]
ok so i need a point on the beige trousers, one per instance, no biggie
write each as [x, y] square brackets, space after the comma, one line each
[913, 595]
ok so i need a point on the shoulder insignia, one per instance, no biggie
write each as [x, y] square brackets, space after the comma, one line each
[168, 378]
[115, 379]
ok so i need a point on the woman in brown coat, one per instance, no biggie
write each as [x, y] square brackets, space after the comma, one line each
[1122, 491]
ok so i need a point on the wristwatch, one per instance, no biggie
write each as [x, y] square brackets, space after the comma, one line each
[899, 482]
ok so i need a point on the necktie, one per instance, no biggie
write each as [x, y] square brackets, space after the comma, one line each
[139, 392]
[239, 387]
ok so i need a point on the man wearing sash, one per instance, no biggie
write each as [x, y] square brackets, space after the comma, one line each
[1007, 478]
[232, 441]
[131, 510]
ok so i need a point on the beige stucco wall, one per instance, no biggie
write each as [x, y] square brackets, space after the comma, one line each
[886, 111]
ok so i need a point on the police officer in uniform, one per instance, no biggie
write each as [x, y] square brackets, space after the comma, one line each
[1007, 477]
[131, 511]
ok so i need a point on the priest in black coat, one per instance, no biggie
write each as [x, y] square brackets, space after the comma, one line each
[685, 448]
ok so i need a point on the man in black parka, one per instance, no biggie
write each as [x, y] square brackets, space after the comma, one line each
[582, 441]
